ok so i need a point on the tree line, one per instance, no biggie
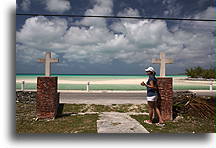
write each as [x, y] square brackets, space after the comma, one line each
[199, 72]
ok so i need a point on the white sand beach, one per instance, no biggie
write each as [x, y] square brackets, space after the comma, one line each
[176, 81]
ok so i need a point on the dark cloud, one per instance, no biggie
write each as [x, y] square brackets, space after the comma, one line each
[90, 45]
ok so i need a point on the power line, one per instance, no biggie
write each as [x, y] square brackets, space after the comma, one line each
[118, 17]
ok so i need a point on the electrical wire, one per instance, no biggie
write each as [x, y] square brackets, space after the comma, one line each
[117, 17]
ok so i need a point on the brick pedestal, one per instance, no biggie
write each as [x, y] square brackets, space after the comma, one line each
[47, 101]
[165, 99]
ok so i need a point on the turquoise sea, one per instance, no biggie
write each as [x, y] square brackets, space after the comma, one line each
[32, 86]
[82, 77]
[88, 77]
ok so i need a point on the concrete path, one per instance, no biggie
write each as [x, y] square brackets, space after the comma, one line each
[113, 122]
[103, 98]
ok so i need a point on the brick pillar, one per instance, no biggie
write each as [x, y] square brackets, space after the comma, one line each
[165, 100]
[47, 97]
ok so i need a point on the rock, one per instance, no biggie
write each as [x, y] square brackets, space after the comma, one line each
[26, 97]
[178, 118]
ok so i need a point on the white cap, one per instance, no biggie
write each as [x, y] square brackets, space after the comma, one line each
[150, 69]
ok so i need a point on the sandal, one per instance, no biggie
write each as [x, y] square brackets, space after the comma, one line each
[147, 121]
[160, 124]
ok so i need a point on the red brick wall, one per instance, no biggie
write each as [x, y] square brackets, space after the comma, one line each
[165, 101]
[47, 99]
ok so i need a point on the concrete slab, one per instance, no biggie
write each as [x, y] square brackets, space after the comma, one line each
[114, 122]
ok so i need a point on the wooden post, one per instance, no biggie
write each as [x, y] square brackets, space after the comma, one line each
[22, 85]
[87, 86]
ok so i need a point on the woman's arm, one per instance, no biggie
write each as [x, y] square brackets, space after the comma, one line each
[151, 85]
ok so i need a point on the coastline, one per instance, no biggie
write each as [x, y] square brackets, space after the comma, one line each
[127, 83]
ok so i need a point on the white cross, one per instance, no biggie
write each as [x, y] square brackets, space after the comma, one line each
[162, 61]
[48, 60]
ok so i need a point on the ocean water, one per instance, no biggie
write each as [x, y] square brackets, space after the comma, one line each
[88, 77]
[32, 86]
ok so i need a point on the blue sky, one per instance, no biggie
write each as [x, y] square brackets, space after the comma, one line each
[114, 46]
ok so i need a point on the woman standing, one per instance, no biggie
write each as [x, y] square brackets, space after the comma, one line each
[152, 95]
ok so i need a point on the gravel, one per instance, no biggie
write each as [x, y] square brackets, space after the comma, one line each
[27, 97]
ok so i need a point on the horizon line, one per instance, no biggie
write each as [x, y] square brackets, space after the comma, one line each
[83, 74]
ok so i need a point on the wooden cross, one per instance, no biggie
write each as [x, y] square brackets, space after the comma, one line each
[162, 61]
[48, 60]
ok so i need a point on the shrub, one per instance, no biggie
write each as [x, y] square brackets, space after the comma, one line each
[199, 72]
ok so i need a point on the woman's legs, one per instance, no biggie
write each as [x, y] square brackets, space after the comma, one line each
[159, 115]
[158, 112]
[151, 109]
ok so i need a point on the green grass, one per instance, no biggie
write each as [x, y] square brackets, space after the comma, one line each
[67, 124]
[70, 121]
[26, 123]
[186, 125]
[32, 86]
